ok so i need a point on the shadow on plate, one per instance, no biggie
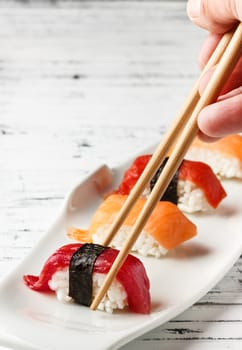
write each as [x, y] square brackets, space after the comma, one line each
[190, 250]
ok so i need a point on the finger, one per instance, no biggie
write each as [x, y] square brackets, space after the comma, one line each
[216, 16]
[234, 81]
[207, 49]
[222, 118]
[231, 93]
[205, 138]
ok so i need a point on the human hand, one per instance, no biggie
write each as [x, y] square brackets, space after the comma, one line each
[225, 115]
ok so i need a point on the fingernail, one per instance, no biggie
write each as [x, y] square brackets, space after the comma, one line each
[193, 8]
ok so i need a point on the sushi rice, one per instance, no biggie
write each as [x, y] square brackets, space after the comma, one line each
[115, 298]
[145, 245]
[191, 199]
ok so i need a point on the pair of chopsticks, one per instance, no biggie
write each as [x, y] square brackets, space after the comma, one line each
[183, 132]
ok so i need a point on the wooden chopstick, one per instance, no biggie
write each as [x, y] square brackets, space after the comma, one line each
[211, 93]
[171, 135]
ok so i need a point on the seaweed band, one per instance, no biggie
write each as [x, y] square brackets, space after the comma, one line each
[81, 269]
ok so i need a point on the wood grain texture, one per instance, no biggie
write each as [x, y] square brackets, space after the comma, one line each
[83, 83]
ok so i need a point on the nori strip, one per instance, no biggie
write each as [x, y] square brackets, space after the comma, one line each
[171, 191]
[80, 272]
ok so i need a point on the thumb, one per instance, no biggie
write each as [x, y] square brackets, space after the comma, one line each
[217, 16]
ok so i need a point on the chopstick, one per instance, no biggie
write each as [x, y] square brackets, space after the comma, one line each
[187, 120]
[172, 133]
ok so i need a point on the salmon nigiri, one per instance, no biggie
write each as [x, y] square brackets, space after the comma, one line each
[166, 228]
[224, 156]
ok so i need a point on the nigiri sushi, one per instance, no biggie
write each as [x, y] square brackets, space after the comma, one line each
[166, 228]
[224, 156]
[193, 188]
[76, 271]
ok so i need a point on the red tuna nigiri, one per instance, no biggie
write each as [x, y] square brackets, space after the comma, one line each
[198, 173]
[132, 275]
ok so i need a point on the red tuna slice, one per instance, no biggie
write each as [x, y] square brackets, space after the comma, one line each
[132, 174]
[131, 275]
[59, 260]
[203, 177]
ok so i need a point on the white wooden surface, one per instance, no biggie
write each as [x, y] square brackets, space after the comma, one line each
[82, 83]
